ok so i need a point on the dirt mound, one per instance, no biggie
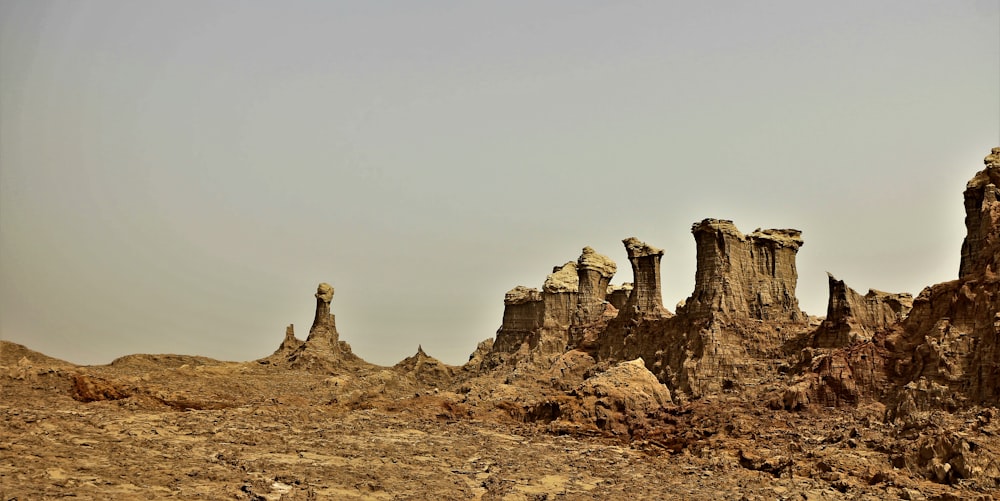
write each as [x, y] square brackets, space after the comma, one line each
[12, 353]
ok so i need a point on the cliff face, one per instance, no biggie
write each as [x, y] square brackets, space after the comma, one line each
[981, 244]
[536, 323]
[523, 314]
[952, 336]
[744, 277]
[851, 317]
[945, 354]
[560, 293]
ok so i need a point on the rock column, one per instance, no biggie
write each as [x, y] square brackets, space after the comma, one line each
[646, 298]
[324, 328]
[745, 277]
[595, 272]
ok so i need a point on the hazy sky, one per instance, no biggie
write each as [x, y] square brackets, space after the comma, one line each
[176, 177]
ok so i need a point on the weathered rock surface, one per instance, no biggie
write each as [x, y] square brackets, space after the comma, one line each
[744, 277]
[952, 335]
[322, 350]
[523, 316]
[426, 369]
[536, 324]
[618, 294]
[851, 317]
[945, 354]
[595, 272]
[982, 242]
[624, 400]
[646, 297]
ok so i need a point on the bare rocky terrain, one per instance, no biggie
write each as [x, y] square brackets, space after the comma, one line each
[589, 390]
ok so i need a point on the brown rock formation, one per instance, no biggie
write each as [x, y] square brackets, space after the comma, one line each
[618, 295]
[523, 314]
[87, 388]
[742, 277]
[625, 400]
[322, 350]
[560, 293]
[851, 317]
[646, 298]
[290, 343]
[324, 327]
[536, 324]
[982, 243]
[595, 272]
[952, 335]
[426, 369]
[946, 353]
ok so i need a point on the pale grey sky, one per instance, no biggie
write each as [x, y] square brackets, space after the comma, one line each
[176, 177]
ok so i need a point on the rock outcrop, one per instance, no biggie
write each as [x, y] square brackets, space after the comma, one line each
[744, 277]
[952, 335]
[322, 350]
[646, 297]
[426, 369]
[625, 401]
[523, 315]
[618, 295]
[324, 327]
[945, 354]
[981, 247]
[851, 317]
[595, 272]
[560, 293]
[536, 323]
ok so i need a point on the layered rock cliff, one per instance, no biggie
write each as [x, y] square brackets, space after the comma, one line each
[536, 323]
[523, 315]
[744, 277]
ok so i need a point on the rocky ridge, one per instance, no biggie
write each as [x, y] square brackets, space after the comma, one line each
[736, 394]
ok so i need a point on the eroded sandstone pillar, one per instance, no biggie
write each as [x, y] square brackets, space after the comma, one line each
[324, 323]
[646, 298]
[594, 271]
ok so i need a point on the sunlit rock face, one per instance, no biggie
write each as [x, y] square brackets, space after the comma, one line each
[743, 277]
[322, 351]
[324, 327]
